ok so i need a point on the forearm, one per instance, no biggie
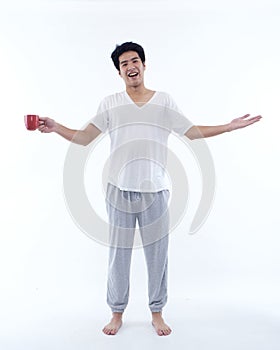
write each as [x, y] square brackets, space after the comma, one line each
[201, 131]
[76, 136]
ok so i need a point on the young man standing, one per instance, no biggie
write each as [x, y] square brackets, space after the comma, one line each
[139, 121]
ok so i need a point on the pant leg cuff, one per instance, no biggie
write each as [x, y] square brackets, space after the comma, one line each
[117, 310]
[156, 310]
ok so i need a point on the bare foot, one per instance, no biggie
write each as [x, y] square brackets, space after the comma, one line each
[115, 324]
[160, 326]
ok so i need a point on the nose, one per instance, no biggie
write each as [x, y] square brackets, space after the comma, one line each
[130, 66]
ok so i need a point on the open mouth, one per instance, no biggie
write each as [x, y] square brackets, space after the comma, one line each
[132, 75]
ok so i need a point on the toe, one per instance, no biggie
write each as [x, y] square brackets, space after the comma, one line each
[167, 331]
[108, 331]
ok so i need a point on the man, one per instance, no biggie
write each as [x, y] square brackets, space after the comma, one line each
[134, 115]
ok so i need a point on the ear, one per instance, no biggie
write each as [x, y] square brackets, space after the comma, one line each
[144, 65]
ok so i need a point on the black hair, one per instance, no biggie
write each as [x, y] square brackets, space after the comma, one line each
[128, 46]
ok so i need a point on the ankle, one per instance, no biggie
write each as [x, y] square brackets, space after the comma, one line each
[117, 315]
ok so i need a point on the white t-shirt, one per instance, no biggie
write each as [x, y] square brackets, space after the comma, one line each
[139, 137]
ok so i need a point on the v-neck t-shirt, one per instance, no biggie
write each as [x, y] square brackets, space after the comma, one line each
[139, 137]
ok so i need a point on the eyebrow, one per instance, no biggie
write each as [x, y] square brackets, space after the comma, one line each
[133, 58]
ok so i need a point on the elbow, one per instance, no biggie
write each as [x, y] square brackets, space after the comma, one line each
[85, 143]
[191, 134]
[85, 139]
[191, 138]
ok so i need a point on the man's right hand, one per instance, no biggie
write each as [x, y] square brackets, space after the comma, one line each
[47, 124]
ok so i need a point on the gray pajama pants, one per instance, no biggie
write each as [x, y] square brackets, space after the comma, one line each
[151, 211]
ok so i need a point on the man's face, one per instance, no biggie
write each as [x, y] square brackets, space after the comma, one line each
[131, 68]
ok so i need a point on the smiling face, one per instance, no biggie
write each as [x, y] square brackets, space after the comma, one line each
[131, 69]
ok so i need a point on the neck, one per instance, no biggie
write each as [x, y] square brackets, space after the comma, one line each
[136, 90]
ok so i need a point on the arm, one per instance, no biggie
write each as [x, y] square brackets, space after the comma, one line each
[81, 137]
[200, 131]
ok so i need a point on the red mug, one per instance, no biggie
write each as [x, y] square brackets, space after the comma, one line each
[31, 121]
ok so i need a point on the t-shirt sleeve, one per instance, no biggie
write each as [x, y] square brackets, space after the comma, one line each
[101, 119]
[178, 122]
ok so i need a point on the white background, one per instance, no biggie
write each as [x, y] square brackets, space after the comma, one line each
[219, 60]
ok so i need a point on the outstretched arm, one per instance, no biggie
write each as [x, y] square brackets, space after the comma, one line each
[81, 137]
[200, 131]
